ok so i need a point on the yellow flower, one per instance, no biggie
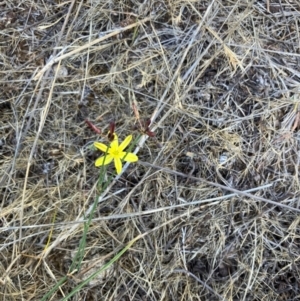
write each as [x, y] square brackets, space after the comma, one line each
[115, 152]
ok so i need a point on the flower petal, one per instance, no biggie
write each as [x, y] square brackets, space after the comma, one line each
[124, 144]
[101, 146]
[104, 160]
[131, 157]
[115, 143]
[118, 165]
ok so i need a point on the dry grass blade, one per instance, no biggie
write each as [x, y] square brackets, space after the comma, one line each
[86, 46]
[232, 57]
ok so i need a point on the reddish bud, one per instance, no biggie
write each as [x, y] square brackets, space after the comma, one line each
[93, 127]
[147, 131]
[111, 134]
[150, 134]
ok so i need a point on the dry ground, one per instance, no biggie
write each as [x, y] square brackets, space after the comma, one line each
[216, 192]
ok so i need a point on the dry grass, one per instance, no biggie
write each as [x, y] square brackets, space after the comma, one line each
[221, 82]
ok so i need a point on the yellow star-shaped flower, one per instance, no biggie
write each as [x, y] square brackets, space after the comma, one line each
[115, 152]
